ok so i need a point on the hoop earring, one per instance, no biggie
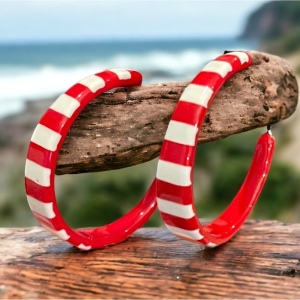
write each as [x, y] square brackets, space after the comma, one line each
[176, 162]
[43, 151]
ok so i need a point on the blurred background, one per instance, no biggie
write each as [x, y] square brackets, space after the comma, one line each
[47, 46]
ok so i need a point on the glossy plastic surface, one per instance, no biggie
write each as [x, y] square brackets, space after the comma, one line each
[43, 151]
[175, 197]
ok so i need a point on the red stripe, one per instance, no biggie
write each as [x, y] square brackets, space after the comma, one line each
[47, 222]
[44, 194]
[190, 224]
[178, 153]
[54, 120]
[210, 79]
[39, 155]
[187, 224]
[174, 193]
[81, 93]
[228, 58]
[235, 63]
[111, 81]
[188, 113]
[136, 77]
[51, 223]
[110, 77]
[232, 59]
[213, 80]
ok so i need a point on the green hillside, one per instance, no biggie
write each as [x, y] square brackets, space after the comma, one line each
[277, 25]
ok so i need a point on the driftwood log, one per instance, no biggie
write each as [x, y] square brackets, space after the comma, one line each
[127, 127]
[261, 261]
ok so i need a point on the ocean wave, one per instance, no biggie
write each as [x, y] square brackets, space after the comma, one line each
[19, 83]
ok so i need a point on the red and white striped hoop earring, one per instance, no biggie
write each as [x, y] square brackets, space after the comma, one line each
[175, 198]
[43, 151]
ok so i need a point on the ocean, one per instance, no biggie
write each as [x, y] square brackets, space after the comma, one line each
[39, 71]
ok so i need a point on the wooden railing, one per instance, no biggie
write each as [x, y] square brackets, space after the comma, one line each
[261, 261]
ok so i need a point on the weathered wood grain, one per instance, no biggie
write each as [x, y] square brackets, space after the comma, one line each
[261, 261]
[127, 127]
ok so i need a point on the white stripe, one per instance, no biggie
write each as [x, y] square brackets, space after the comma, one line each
[45, 137]
[84, 247]
[122, 74]
[220, 67]
[37, 173]
[174, 173]
[93, 83]
[197, 94]
[210, 245]
[65, 105]
[175, 209]
[242, 56]
[181, 133]
[59, 233]
[191, 234]
[44, 209]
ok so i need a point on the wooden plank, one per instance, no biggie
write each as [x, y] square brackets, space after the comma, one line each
[127, 127]
[261, 261]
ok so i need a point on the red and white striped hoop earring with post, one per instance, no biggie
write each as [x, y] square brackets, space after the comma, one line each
[175, 198]
[43, 151]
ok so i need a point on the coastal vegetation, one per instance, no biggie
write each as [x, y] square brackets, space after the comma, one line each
[277, 25]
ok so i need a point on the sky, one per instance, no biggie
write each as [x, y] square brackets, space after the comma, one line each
[75, 20]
